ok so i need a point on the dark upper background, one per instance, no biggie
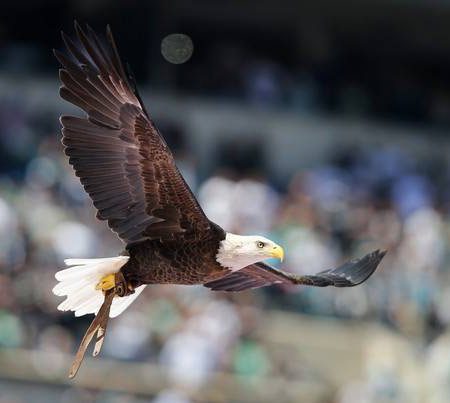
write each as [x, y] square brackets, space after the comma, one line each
[383, 59]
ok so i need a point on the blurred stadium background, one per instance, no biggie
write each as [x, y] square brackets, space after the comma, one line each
[321, 124]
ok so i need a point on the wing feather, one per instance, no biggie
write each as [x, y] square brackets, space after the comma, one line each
[351, 273]
[121, 159]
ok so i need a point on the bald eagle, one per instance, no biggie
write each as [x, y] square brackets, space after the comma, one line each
[130, 174]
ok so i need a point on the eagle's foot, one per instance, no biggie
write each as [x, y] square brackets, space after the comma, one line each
[107, 282]
[122, 287]
[117, 282]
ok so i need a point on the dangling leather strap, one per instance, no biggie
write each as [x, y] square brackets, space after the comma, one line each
[98, 326]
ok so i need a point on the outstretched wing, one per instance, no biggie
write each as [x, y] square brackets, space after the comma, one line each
[121, 159]
[351, 273]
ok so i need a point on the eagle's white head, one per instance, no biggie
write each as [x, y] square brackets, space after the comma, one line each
[238, 251]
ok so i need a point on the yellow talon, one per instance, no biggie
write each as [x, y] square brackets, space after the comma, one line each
[106, 283]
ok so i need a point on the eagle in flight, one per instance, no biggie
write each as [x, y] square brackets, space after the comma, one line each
[130, 174]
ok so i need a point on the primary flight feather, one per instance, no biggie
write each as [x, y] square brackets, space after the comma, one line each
[130, 174]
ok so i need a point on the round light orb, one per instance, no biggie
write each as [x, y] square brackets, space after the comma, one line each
[177, 48]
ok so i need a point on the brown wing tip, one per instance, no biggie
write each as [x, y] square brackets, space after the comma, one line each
[357, 271]
[110, 36]
[376, 257]
[76, 25]
[109, 32]
[64, 37]
[350, 274]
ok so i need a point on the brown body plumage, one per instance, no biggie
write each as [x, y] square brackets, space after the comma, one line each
[175, 262]
[130, 174]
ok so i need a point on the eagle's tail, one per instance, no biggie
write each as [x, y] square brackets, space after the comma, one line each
[82, 284]
[79, 282]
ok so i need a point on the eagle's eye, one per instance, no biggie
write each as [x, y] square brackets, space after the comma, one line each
[260, 244]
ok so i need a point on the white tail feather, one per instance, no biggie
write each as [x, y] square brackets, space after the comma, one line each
[78, 284]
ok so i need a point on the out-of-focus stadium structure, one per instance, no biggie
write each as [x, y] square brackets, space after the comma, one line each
[334, 119]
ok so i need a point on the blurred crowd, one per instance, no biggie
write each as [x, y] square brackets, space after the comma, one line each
[357, 201]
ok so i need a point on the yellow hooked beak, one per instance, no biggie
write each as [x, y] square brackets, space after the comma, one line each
[277, 252]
